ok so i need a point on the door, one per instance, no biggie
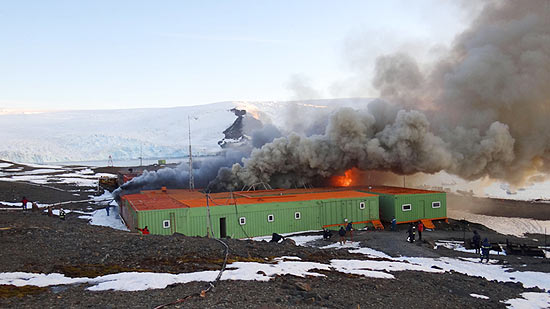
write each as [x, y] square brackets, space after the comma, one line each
[223, 230]
[172, 223]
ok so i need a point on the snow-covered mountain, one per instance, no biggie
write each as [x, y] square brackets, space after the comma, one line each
[87, 135]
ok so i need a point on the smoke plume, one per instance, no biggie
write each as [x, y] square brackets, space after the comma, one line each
[480, 110]
[204, 170]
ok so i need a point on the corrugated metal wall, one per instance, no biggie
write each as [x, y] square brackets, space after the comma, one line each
[335, 212]
[155, 220]
[421, 206]
[313, 215]
[129, 215]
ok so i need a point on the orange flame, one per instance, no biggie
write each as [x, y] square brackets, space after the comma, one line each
[343, 181]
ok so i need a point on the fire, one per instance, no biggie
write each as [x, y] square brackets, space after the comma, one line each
[343, 181]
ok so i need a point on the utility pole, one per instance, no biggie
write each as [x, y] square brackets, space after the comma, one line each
[191, 178]
[140, 154]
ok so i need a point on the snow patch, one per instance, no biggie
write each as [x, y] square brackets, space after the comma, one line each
[479, 296]
[529, 300]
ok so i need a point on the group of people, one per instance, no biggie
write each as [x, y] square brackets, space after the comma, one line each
[343, 232]
[25, 201]
[484, 246]
[411, 231]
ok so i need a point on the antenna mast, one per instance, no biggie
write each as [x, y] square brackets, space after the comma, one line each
[140, 154]
[191, 178]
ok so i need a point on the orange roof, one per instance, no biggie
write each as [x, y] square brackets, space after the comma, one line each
[275, 197]
[151, 200]
[396, 190]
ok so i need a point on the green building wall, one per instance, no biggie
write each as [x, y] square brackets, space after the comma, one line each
[314, 214]
[421, 206]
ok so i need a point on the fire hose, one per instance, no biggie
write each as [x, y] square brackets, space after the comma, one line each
[210, 286]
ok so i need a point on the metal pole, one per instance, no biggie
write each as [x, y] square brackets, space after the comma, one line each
[191, 178]
[207, 217]
[140, 154]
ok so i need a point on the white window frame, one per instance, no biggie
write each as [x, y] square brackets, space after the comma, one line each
[297, 215]
[272, 218]
[438, 203]
[166, 224]
[362, 205]
[405, 206]
[242, 220]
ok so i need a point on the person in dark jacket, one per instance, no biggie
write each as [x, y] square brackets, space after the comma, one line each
[61, 214]
[342, 233]
[476, 242]
[349, 230]
[393, 224]
[420, 230]
[327, 234]
[276, 237]
[144, 231]
[485, 248]
[411, 233]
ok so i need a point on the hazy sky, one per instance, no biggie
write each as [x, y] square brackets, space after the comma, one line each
[126, 54]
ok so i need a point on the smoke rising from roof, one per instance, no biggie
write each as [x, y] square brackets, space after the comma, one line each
[204, 170]
[481, 110]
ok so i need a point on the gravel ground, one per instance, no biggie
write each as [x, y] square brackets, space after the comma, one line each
[34, 242]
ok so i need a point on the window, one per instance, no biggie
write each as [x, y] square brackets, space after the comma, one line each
[436, 204]
[270, 218]
[297, 215]
[406, 207]
[362, 205]
[242, 220]
[166, 224]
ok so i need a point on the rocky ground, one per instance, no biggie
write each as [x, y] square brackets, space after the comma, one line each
[34, 242]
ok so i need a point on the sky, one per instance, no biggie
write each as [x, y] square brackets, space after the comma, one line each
[133, 54]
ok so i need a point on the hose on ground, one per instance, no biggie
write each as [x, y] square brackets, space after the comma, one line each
[210, 285]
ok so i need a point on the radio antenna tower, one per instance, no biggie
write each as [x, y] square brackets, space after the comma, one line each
[140, 154]
[191, 178]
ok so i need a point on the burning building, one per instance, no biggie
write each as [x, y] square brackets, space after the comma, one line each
[247, 214]
[258, 213]
[410, 205]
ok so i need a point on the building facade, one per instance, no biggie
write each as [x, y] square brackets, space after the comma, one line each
[409, 205]
[247, 214]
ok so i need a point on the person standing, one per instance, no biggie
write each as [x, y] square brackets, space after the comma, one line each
[144, 231]
[61, 214]
[50, 211]
[349, 230]
[420, 230]
[476, 242]
[107, 209]
[393, 224]
[411, 233]
[485, 248]
[342, 233]
[24, 202]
